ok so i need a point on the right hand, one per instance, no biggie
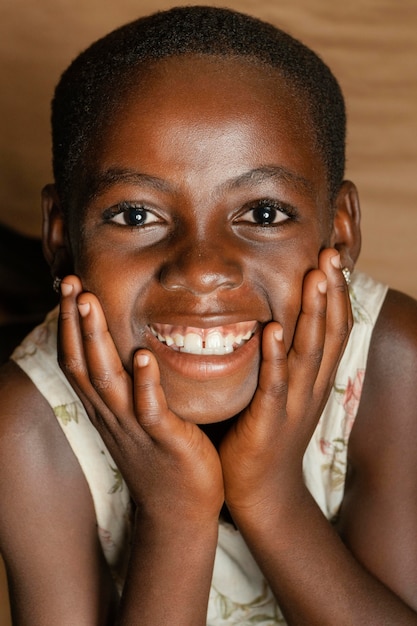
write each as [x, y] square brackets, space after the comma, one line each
[171, 468]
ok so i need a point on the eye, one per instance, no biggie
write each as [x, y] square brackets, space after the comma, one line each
[266, 213]
[131, 214]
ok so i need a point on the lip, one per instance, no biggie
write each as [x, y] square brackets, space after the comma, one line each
[204, 367]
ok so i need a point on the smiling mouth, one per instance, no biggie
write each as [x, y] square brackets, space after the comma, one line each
[219, 340]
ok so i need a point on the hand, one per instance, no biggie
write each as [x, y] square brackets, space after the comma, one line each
[170, 466]
[262, 454]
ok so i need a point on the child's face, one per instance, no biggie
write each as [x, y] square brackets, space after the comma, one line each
[210, 207]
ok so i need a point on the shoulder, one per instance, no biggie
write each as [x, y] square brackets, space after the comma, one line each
[37, 464]
[395, 334]
[24, 413]
[389, 398]
[25, 417]
[391, 373]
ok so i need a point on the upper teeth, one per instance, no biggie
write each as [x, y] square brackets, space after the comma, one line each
[203, 342]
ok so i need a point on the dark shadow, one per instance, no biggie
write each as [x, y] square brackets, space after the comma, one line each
[26, 293]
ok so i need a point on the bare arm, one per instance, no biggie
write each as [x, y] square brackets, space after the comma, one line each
[315, 577]
[48, 535]
[379, 515]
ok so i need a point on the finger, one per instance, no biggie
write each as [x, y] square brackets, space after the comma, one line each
[70, 351]
[150, 401]
[150, 404]
[339, 319]
[70, 346]
[270, 399]
[106, 373]
[306, 352]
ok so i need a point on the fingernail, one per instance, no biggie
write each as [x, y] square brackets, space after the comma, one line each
[278, 334]
[66, 289]
[142, 360]
[84, 308]
[322, 286]
[335, 261]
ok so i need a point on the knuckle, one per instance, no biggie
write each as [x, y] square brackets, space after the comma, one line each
[343, 331]
[65, 316]
[71, 366]
[150, 412]
[321, 313]
[277, 388]
[102, 381]
[316, 356]
[340, 286]
[150, 418]
[89, 336]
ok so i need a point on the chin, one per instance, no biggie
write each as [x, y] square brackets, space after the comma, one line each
[202, 407]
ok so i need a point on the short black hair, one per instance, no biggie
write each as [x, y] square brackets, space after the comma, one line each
[92, 84]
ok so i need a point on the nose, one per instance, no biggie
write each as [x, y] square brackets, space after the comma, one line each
[201, 270]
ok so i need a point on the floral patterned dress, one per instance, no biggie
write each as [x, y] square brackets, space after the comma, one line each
[239, 593]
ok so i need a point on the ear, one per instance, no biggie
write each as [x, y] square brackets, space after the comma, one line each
[55, 241]
[346, 232]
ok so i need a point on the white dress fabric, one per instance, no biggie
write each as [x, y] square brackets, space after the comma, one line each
[239, 593]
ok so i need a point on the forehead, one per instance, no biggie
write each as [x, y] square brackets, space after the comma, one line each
[201, 111]
[207, 84]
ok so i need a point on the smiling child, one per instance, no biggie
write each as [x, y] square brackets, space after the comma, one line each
[229, 435]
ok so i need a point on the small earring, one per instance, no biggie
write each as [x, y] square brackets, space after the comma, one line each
[57, 284]
[347, 275]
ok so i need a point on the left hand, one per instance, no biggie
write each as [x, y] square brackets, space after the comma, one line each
[262, 453]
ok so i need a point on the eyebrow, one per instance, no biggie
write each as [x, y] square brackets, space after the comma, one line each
[113, 176]
[261, 174]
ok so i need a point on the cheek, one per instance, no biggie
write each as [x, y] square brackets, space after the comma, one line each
[117, 295]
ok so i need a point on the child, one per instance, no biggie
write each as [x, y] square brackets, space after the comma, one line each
[231, 431]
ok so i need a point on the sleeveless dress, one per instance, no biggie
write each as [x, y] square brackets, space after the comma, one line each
[239, 593]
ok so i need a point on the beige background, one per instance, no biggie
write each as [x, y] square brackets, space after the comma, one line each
[371, 45]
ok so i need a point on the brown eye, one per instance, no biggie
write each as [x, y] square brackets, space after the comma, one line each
[133, 215]
[264, 215]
